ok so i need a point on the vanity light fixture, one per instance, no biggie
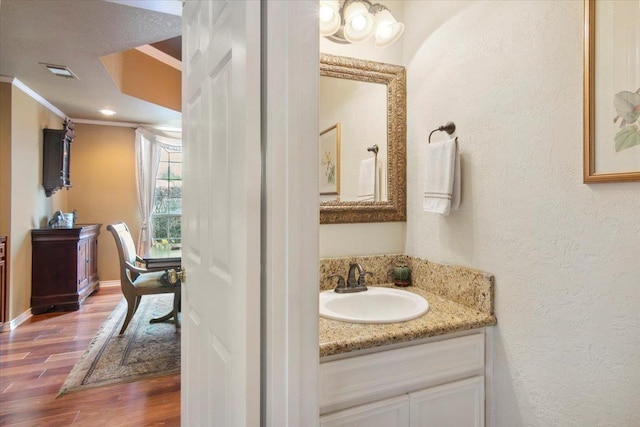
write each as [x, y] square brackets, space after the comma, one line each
[355, 21]
[330, 18]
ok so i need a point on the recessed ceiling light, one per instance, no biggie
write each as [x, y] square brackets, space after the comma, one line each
[60, 70]
[107, 112]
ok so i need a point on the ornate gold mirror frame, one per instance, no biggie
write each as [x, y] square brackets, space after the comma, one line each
[394, 77]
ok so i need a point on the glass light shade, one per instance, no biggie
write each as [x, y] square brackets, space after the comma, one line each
[358, 23]
[329, 17]
[388, 30]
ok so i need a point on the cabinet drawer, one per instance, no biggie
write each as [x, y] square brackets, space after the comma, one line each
[349, 382]
[2, 250]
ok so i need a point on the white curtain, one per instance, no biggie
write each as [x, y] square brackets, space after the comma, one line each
[149, 145]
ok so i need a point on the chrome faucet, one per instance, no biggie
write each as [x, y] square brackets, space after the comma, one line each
[353, 284]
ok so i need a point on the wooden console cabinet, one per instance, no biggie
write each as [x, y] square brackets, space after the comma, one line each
[64, 267]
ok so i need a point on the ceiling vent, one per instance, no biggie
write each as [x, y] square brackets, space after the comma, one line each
[60, 71]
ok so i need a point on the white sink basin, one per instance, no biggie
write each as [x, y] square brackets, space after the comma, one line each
[375, 305]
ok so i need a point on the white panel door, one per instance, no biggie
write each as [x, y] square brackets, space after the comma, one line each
[221, 213]
[385, 413]
[456, 404]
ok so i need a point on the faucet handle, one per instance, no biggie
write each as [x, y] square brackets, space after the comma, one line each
[341, 283]
[362, 276]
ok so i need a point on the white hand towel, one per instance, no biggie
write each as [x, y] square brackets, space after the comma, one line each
[442, 180]
[366, 180]
[381, 182]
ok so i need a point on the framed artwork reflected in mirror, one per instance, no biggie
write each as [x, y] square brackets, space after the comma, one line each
[611, 91]
[329, 157]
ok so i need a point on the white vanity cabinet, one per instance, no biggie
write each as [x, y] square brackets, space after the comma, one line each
[437, 383]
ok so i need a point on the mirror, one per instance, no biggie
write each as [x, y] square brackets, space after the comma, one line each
[362, 141]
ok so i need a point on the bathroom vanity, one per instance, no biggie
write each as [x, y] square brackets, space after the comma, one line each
[429, 371]
[430, 384]
[400, 374]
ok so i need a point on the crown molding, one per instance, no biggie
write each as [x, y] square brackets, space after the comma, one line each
[17, 83]
[23, 87]
[160, 56]
[105, 123]
[126, 124]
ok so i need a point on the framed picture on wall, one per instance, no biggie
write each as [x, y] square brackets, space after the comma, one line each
[611, 91]
[329, 168]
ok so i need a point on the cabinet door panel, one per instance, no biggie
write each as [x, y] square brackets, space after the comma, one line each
[386, 413]
[93, 260]
[83, 277]
[457, 404]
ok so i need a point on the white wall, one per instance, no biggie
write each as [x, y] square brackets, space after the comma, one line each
[370, 238]
[361, 110]
[565, 255]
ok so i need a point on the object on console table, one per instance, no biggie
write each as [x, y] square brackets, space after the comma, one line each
[64, 267]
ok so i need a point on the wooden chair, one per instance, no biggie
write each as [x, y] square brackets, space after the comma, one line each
[135, 281]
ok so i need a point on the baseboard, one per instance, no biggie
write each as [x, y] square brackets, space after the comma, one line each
[10, 326]
[20, 319]
[107, 283]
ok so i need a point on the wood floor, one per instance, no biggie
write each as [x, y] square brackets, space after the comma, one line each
[36, 358]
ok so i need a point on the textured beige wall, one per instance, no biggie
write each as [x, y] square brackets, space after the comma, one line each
[104, 191]
[5, 168]
[564, 254]
[29, 207]
[102, 175]
[5, 158]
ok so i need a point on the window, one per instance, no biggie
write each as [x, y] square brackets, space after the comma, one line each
[167, 207]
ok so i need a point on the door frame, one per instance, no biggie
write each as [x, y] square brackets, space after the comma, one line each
[290, 213]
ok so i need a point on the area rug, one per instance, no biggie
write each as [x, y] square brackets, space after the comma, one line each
[145, 350]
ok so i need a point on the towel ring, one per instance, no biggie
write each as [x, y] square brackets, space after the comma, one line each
[449, 128]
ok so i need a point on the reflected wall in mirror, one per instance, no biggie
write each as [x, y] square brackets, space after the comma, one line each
[367, 101]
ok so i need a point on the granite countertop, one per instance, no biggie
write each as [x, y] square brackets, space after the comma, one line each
[444, 316]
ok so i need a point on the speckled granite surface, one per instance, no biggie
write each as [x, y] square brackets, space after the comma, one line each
[444, 316]
[459, 299]
[379, 265]
[463, 285]
[466, 286]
